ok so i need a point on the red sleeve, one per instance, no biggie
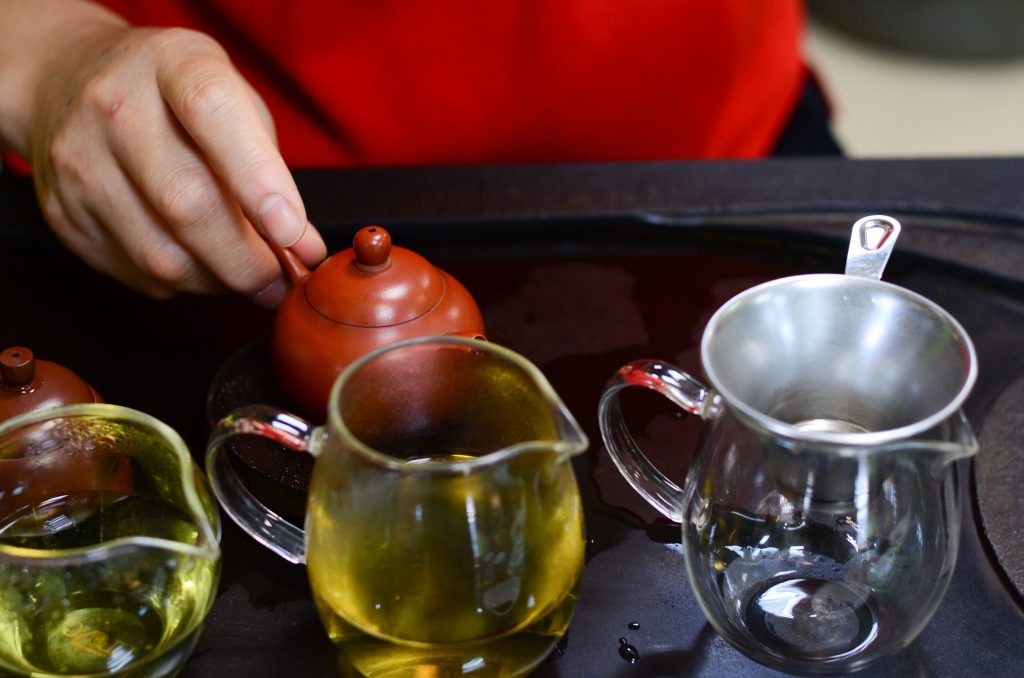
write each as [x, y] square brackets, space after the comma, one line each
[372, 82]
[13, 163]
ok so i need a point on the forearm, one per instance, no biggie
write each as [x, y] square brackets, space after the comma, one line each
[36, 37]
[153, 159]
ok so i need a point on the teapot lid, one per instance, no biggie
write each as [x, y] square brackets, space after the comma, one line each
[373, 284]
[27, 384]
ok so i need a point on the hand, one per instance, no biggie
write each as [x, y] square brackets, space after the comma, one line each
[156, 162]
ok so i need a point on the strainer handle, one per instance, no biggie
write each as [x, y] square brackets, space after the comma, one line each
[679, 387]
[871, 243]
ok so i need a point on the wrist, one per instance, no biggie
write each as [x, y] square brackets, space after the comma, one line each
[41, 46]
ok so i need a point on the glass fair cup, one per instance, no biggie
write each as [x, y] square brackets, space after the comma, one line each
[820, 519]
[109, 559]
[444, 527]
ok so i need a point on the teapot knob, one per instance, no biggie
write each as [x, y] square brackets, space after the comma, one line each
[27, 383]
[17, 367]
[372, 246]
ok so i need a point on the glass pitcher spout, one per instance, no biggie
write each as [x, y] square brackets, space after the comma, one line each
[952, 440]
[458, 402]
[824, 474]
[573, 440]
[565, 440]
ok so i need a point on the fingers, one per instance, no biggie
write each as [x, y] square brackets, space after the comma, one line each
[216, 108]
[143, 181]
[72, 191]
[161, 164]
[86, 237]
[189, 204]
[264, 111]
[179, 190]
[143, 235]
[310, 247]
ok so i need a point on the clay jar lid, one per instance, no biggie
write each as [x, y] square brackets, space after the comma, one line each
[28, 384]
[374, 284]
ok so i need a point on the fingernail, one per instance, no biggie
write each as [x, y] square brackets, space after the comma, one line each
[271, 295]
[279, 221]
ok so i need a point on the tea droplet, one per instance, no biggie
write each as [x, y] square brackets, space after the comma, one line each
[628, 652]
[633, 626]
[560, 646]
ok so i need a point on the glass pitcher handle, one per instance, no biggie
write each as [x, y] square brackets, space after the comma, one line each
[680, 388]
[248, 512]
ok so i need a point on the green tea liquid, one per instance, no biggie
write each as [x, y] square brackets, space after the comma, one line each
[105, 615]
[451, 574]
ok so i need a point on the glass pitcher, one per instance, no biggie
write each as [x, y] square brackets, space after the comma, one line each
[820, 519]
[444, 529]
[109, 559]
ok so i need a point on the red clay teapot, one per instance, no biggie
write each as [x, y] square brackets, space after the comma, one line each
[357, 300]
[28, 383]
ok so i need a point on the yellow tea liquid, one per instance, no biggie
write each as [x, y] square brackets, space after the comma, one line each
[123, 611]
[446, 574]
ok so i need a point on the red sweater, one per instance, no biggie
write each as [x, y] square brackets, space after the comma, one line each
[386, 82]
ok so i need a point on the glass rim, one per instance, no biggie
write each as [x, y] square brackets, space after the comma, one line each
[208, 543]
[568, 445]
[788, 431]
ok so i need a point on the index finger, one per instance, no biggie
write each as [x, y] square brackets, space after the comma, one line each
[212, 102]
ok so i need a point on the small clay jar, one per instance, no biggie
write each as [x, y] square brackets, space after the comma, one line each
[357, 300]
[27, 384]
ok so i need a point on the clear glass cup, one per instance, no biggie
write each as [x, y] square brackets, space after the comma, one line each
[821, 516]
[444, 527]
[109, 556]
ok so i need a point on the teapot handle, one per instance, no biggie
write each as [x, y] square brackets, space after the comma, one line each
[290, 264]
[248, 512]
[679, 387]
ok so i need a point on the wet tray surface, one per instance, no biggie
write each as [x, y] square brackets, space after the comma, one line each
[578, 307]
[615, 303]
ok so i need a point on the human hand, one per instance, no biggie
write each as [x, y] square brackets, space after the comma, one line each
[157, 163]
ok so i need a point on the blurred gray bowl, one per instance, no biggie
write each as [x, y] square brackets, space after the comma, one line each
[950, 29]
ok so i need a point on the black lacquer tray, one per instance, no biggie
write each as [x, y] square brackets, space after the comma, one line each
[578, 290]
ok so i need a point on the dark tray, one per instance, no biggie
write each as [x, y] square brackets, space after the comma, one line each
[577, 295]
